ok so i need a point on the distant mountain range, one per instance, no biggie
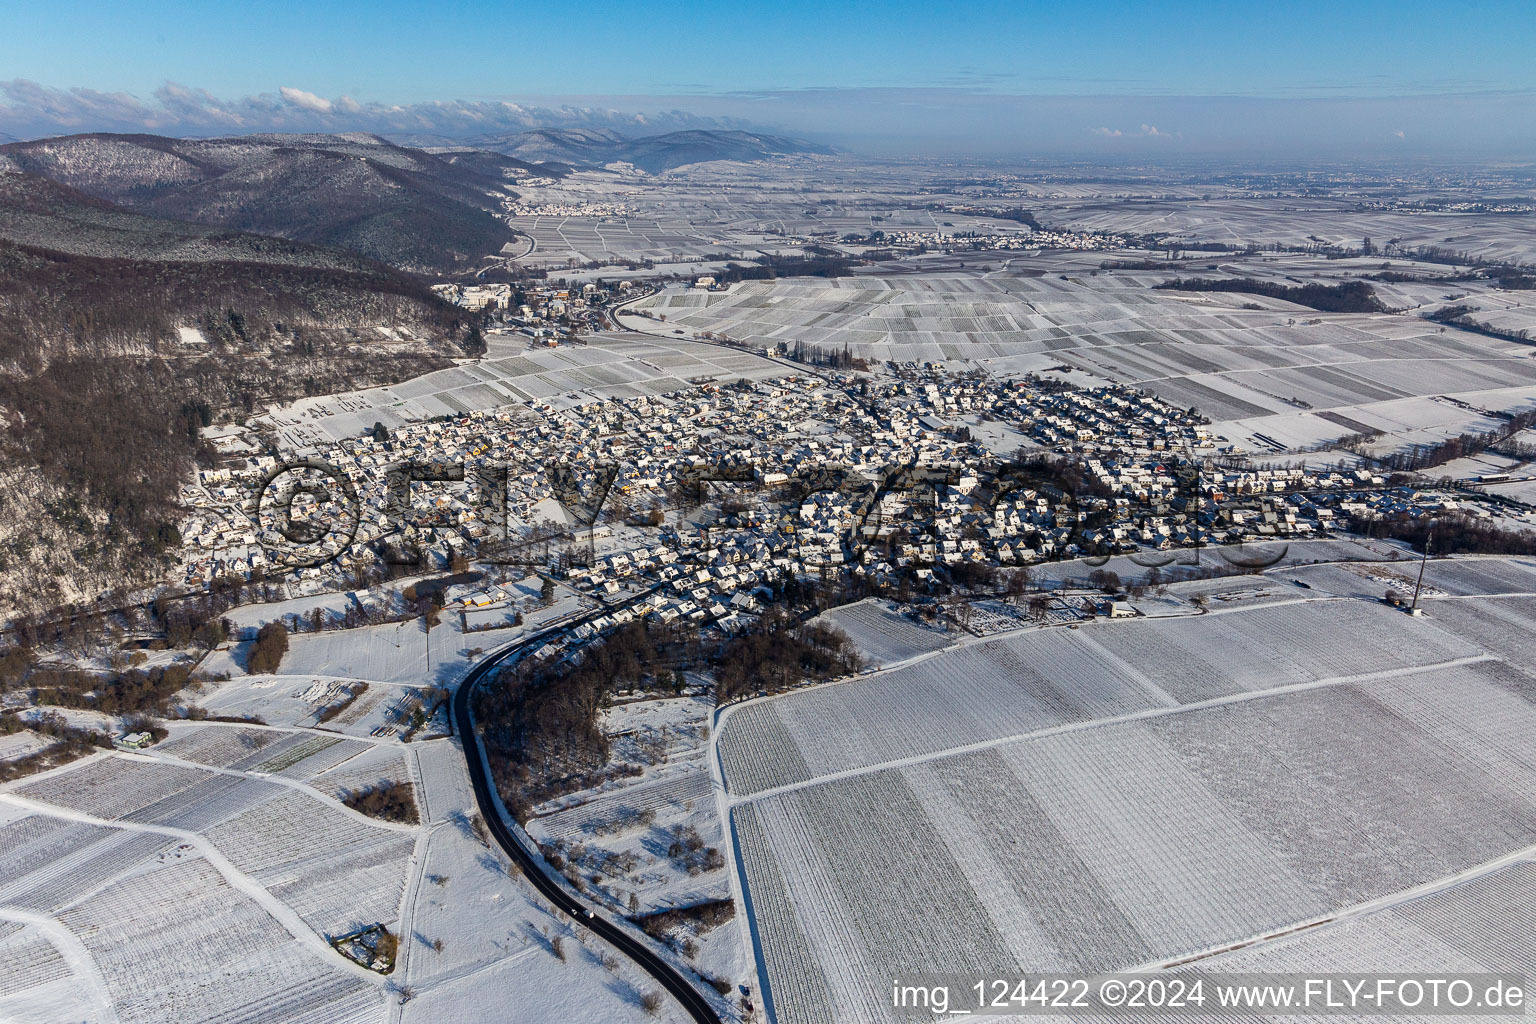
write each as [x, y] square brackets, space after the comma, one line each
[30, 110]
[654, 154]
[414, 209]
[405, 207]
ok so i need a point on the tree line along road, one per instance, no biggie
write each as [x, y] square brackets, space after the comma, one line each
[528, 861]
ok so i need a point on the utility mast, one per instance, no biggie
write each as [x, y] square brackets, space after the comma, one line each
[1428, 540]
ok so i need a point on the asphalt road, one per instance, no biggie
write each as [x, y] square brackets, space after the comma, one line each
[616, 936]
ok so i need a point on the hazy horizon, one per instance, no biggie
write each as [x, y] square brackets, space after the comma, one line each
[1301, 81]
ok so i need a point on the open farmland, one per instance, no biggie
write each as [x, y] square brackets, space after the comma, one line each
[1131, 794]
[1036, 680]
[1249, 220]
[1483, 924]
[105, 867]
[202, 879]
[669, 237]
[516, 373]
[882, 634]
[739, 212]
[1273, 376]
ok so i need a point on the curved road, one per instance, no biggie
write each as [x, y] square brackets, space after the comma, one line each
[615, 935]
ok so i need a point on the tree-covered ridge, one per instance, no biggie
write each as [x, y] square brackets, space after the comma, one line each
[1346, 297]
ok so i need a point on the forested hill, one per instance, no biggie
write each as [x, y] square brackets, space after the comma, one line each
[1345, 297]
[121, 334]
[408, 208]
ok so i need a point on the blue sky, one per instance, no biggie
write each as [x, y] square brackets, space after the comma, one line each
[833, 69]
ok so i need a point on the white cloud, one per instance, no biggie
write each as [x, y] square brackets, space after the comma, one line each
[1148, 131]
[307, 100]
[30, 110]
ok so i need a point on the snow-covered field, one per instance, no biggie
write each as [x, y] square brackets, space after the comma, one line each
[605, 366]
[883, 635]
[1032, 680]
[201, 879]
[497, 959]
[1288, 553]
[643, 844]
[1271, 375]
[147, 889]
[1483, 924]
[137, 905]
[1130, 793]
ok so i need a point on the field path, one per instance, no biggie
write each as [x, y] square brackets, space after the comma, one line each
[239, 880]
[82, 965]
[1134, 716]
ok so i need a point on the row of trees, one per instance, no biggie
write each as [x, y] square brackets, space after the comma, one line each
[837, 360]
[67, 743]
[134, 691]
[1453, 535]
[1461, 316]
[1346, 297]
[770, 267]
[1424, 456]
[780, 654]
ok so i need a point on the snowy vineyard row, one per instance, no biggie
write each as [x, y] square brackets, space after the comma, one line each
[1044, 678]
[882, 635]
[1155, 839]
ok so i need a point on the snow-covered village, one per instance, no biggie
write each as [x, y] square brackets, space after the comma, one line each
[946, 511]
